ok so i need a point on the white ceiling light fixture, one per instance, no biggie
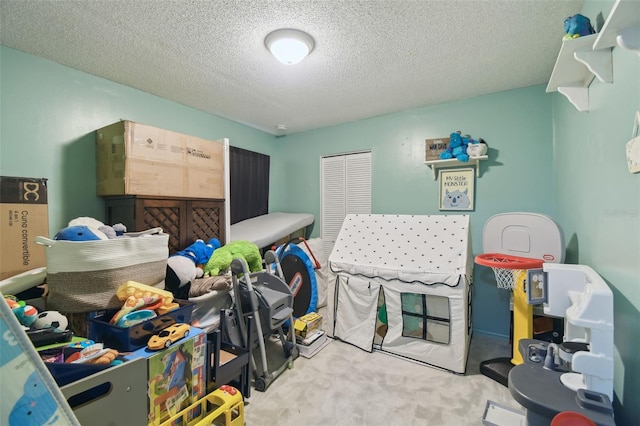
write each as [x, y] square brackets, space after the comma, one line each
[289, 46]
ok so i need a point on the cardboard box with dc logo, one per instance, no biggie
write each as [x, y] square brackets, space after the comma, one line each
[24, 216]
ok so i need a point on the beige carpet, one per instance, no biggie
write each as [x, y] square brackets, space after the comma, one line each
[344, 385]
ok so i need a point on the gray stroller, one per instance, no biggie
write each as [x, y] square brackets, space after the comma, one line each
[265, 299]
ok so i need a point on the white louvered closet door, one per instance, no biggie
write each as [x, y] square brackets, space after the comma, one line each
[346, 189]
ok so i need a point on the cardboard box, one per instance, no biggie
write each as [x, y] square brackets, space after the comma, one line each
[308, 323]
[23, 206]
[176, 375]
[435, 147]
[136, 159]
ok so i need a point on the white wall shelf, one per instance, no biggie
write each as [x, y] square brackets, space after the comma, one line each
[576, 66]
[622, 27]
[443, 164]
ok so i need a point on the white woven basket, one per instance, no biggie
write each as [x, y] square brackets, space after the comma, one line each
[83, 276]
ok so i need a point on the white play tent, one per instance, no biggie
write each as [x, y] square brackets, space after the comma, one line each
[423, 266]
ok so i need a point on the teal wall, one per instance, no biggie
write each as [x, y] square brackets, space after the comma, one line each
[49, 113]
[546, 157]
[598, 203]
[48, 117]
[518, 177]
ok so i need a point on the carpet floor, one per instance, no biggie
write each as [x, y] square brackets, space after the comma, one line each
[344, 385]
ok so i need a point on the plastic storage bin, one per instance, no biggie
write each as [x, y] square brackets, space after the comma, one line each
[135, 337]
[65, 373]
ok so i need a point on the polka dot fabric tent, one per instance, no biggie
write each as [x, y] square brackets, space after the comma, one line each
[418, 268]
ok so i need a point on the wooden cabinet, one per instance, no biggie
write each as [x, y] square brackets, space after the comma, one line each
[184, 219]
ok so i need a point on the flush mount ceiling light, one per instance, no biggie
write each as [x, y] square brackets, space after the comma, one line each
[289, 46]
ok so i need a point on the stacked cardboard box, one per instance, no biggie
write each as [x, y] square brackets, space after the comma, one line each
[24, 216]
[136, 159]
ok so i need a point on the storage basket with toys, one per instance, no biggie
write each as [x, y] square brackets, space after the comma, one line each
[145, 311]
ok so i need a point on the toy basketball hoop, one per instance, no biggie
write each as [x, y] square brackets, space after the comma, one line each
[508, 269]
[514, 243]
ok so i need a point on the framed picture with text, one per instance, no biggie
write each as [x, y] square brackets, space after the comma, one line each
[457, 189]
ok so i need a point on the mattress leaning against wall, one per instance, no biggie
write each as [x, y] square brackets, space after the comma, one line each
[423, 265]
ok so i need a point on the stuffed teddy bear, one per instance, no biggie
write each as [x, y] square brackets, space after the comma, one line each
[187, 265]
[221, 258]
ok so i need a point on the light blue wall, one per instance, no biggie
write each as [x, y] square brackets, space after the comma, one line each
[48, 117]
[598, 203]
[518, 177]
[49, 113]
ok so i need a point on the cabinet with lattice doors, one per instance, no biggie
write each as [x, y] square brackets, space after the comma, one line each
[184, 219]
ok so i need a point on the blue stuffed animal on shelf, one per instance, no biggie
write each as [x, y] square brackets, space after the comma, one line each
[457, 147]
[577, 26]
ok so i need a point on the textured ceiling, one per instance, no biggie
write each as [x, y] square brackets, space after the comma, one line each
[372, 57]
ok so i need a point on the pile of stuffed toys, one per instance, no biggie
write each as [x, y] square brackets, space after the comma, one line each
[197, 261]
[201, 260]
[462, 147]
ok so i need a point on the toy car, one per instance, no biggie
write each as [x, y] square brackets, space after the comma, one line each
[168, 336]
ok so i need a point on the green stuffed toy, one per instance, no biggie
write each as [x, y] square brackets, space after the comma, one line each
[221, 258]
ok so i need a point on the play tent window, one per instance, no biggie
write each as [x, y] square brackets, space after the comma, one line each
[426, 317]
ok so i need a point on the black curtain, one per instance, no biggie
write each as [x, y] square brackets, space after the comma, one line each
[249, 181]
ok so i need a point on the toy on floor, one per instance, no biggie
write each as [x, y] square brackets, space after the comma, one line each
[221, 258]
[187, 265]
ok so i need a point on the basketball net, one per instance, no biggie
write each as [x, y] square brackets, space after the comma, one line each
[511, 273]
[505, 278]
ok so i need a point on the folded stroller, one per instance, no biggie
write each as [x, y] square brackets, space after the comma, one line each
[265, 299]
